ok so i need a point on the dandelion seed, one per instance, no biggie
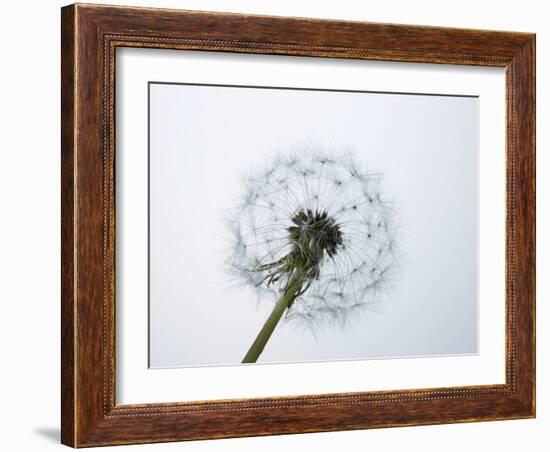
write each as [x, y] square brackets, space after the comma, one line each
[303, 235]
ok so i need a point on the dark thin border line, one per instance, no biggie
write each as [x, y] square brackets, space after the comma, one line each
[152, 82]
[148, 225]
[330, 90]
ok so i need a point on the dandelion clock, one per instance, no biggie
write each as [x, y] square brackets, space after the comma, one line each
[315, 236]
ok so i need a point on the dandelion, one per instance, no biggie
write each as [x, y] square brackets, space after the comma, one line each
[314, 234]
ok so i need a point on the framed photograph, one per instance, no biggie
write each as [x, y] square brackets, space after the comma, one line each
[281, 225]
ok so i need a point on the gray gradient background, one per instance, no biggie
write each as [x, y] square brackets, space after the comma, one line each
[203, 139]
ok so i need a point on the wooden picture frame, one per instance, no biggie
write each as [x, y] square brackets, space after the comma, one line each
[90, 35]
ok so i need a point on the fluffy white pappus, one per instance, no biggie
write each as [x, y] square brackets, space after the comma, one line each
[352, 272]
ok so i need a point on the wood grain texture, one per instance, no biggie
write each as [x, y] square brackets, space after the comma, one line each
[90, 36]
[67, 226]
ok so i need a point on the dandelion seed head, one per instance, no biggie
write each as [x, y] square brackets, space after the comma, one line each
[321, 219]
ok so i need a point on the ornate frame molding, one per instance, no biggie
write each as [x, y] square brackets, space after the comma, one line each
[90, 36]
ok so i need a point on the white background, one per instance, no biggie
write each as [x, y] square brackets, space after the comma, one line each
[137, 384]
[29, 186]
[427, 313]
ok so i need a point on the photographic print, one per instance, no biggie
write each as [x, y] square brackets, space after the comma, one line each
[298, 225]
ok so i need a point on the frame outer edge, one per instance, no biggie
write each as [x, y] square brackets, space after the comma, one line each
[68, 242]
[87, 420]
[526, 221]
[534, 229]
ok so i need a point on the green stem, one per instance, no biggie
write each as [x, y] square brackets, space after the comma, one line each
[265, 333]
